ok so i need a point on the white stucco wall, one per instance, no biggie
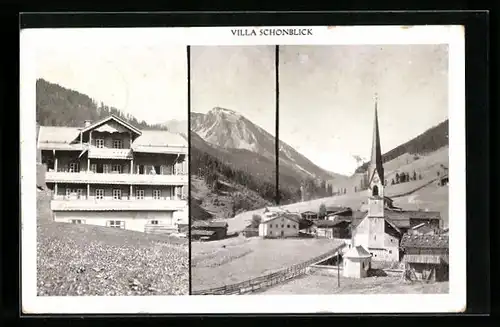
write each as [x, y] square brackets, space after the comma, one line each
[134, 220]
[279, 227]
[356, 267]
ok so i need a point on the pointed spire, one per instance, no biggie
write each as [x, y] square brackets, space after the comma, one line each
[376, 157]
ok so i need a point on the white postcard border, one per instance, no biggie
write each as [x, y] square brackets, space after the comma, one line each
[455, 301]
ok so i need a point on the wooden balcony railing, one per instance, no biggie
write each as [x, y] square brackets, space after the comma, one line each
[117, 179]
[116, 205]
[109, 153]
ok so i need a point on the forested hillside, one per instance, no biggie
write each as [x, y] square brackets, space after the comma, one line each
[429, 141]
[59, 106]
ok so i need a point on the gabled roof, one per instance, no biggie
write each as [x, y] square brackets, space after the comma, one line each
[287, 215]
[424, 241]
[357, 252]
[423, 228]
[151, 139]
[115, 118]
[62, 138]
[393, 225]
[308, 213]
[408, 214]
[210, 224]
[202, 232]
[58, 137]
[335, 208]
[330, 223]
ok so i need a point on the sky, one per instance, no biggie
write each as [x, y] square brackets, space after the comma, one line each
[241, 78]
[327, 98]
[130, 71]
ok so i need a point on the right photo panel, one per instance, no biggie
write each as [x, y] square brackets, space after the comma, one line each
[363, 167]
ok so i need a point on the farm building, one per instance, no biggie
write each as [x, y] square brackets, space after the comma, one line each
[280, 225]
[357, 262]
[331, 229]
[426, 257]
[213, 230]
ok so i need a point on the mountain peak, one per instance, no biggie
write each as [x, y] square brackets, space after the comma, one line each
[220, 110]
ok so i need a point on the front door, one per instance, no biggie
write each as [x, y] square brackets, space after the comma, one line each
[282, 233]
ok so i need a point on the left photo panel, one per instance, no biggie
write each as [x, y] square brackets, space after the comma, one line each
[111, 165]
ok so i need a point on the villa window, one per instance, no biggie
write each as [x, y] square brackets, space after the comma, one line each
[156, 194]
[117, 194]
[116, 223]
[270, 233]
[99, 194]
[105, 169]
[93, 168]
[154, 222]
[282, 226]
[74, 167]
[116, 169]
[77, 192]
[117, 144]
[287, 226]
[99, 143]
[76, 221]
[139, 194]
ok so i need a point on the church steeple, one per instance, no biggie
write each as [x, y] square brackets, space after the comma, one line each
[376, 168]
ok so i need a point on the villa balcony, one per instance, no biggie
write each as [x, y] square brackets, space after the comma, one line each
[115, 178]
[108, 153]
[117, 205]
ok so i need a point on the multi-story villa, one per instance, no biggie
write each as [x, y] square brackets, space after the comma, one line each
[110, 173]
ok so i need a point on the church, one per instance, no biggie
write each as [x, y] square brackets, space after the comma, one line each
[378, 231]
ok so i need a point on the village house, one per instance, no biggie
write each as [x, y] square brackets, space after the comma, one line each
[426, 256]
[279, 225]
[110, 173]
[208, 230]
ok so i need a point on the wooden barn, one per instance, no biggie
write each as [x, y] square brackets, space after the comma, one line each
[426, 257]
[208, 230]
[332, 229]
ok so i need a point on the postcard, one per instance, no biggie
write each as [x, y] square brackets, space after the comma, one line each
[304, 169]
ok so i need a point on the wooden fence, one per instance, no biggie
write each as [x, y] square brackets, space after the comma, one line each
[269, 280]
